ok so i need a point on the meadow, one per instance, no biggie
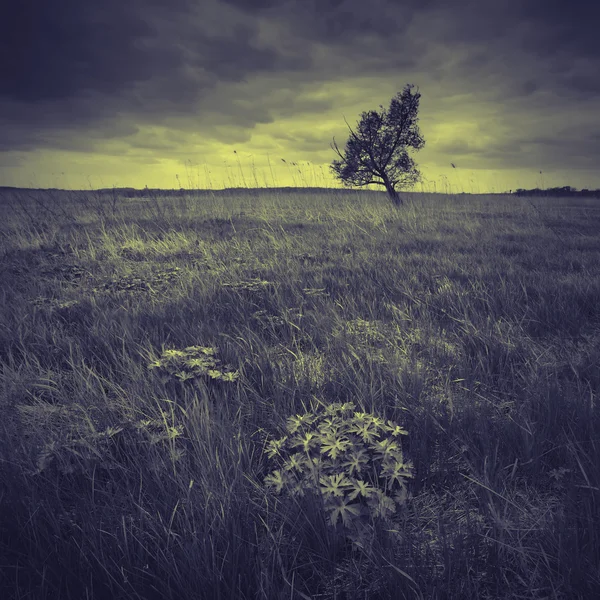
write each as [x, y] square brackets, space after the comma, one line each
[152, 350]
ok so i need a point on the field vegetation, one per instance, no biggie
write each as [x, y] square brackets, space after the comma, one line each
[154, 352]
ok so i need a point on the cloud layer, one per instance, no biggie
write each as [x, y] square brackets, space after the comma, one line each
[507, 87]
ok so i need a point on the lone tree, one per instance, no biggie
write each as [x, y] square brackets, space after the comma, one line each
[377, 152]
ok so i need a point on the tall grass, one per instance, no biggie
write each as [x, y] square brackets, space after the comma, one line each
[470, 320]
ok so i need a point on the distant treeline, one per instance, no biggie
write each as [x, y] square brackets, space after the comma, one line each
[150, 192]
[567, 190]
[129, 192]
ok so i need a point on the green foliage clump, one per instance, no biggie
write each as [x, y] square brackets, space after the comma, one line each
[191, 363]
[352, 461]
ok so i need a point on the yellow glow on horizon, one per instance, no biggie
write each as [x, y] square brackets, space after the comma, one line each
[251, 167]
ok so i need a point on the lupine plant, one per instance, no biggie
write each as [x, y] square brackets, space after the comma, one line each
[191, 363]
[352, 461]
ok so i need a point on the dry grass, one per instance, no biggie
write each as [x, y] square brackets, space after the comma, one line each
[469, 320]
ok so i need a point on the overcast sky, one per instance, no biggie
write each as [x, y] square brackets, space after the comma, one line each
[137, 92]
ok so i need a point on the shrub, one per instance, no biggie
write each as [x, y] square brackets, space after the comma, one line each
[351, 461]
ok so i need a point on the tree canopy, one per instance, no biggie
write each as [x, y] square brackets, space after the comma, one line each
[377, 153]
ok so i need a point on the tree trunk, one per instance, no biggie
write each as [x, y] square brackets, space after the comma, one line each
[392, 193]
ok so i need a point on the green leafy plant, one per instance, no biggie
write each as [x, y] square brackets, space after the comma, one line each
[191, 363]
[351, 461]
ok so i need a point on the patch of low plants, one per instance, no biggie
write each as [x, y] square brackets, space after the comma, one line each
[53, 303]
[267, 320]
[372, 333]
[71, 273]
[315, 292]
[192, 363]
[137, 283]
[351, 461]
[109, 449]
[306, 257]
[69, 311]
[251, 285]
[132, 254]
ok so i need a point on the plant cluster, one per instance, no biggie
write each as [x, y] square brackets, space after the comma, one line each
[268, 320]
[252, 285]
[53, 303]
[191, 363]
[316, 292]
[351, 460]
[263, 318]
[65, 271]
[373, 333]
[69, 311]
[136, 283]
[132, 254]
[106, 449]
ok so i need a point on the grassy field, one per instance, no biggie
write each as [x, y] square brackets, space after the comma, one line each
[128, 470]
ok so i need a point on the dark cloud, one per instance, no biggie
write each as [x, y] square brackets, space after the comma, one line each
[334, 22]
[558, 27]
[235, 57]
[78, 65]
[254, 6]
[59, 50]
[56, 50]
[77, 74]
